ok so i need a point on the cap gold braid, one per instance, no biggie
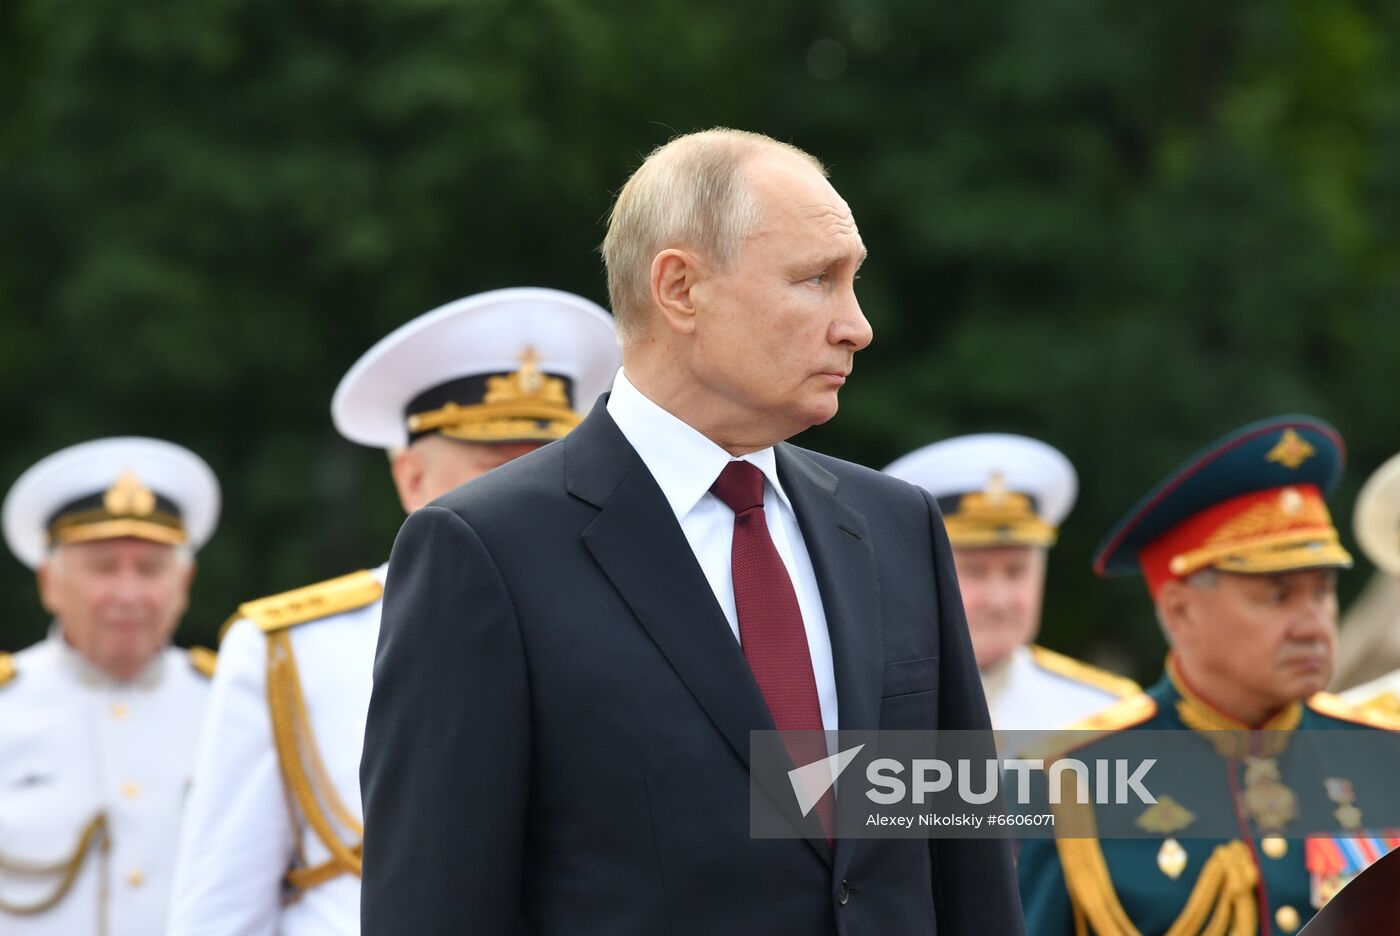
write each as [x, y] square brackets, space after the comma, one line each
[129, 508]
[524, 404]
[1292, 530]
[995, 516]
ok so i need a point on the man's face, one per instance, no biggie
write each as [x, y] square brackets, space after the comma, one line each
[1272, 636]
[777, 329]
[116, 601]
[434, 465]
[1002, 588]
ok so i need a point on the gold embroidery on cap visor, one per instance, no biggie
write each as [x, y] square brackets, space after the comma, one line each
[99, 525]
[997, 518]
[497, 422]
[526, 405]
[128, 509]
[1292, 532]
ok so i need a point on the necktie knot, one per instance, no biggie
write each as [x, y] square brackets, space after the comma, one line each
[739, 486]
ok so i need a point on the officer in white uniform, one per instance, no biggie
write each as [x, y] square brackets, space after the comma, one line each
[1003, 498]
[272, 837]
[98, 723]
[1376, 523]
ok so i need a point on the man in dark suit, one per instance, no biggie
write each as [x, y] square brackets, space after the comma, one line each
[576, 646]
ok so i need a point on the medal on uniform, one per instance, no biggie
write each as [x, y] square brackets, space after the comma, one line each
[1333, 862]
[1271, 804]
[1340, 792]
[1172, 858]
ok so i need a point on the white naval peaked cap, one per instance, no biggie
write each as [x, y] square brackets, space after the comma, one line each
[994, 488]
[122, 486]
[507, 365]
[1376, 521]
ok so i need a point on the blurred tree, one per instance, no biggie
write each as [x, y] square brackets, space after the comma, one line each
[1123, 230]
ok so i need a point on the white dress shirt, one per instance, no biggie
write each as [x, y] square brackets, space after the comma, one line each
[685, 464]
[75, 743]
[240, 836]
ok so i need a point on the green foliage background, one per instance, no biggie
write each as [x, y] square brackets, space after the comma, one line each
[1125, 229]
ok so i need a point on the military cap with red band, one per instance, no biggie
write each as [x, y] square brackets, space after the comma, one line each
[1253, 502]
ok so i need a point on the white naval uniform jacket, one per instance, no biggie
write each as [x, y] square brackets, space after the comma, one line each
[240, 835]
[75, 743]
[1381, 695]
[1025, 693]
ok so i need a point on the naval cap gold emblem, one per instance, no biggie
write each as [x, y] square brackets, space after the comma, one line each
[128, 497]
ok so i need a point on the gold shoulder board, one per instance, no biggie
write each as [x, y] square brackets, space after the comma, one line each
[1081, 672]
[8, 671]
[313, 602]
[1126, 713]
[1373, 713]
[1386, 703]
[203, 660]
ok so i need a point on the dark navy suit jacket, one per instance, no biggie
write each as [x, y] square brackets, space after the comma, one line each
[558, 736]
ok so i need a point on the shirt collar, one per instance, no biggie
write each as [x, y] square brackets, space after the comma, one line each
[682, 460]
[1231, 737]
[93, 676]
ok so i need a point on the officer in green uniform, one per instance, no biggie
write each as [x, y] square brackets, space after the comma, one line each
[1240, 556]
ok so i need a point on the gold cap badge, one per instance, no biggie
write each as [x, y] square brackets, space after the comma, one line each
[1291, 451]
[128, 497]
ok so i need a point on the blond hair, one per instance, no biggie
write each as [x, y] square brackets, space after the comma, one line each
[690, 193]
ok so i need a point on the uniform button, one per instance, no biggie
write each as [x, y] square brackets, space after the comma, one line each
[843, 894]
[120, 711]
[135, 878]
[1274, 847]
[1287, 919]
[131, 790]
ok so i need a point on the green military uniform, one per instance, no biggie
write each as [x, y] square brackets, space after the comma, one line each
[1257, 825]
[1182, 885]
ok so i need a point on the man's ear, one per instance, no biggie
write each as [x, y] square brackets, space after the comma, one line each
[44, 578]
[409, 469]
[674, 274]
[1177, 611]
[188, 574]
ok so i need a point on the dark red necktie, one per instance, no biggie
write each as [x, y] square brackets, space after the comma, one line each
[770, 622]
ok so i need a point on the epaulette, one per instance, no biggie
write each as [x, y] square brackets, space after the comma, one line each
[203, 660]
[1385, 703]
[1126, 713]
[1081, 672]
[1369, 713]
[8, 670]
[313, 602]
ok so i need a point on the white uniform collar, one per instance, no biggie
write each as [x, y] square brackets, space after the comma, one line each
[94, 677]
[998, 677]
[682, 460]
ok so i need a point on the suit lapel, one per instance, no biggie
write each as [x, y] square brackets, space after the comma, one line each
[640, 547]
[838, 541]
